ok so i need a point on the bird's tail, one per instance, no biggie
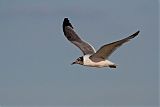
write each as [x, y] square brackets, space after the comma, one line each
[113, 66]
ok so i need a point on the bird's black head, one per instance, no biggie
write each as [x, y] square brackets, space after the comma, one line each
[79, 61]
[80, 58]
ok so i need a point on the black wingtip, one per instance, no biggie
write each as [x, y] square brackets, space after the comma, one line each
[134, 35]
[137, 32]
[65, 20]
[66, 23]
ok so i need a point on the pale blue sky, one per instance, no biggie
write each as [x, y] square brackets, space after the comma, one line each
[35, 56]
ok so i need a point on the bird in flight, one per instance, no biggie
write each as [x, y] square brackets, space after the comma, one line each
[91, 57]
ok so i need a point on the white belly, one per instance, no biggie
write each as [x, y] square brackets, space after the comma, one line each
[88, 62]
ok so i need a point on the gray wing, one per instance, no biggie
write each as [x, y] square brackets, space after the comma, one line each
[106, 50]
[71, 35]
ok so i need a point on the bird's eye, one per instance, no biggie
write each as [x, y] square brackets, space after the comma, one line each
[80, 59]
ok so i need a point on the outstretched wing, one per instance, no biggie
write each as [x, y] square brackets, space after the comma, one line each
[71, 35]
[106, 50]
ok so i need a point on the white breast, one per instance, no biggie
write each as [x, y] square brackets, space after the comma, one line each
[88, 62]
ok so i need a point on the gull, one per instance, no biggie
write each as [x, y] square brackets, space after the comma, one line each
[91, 57]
